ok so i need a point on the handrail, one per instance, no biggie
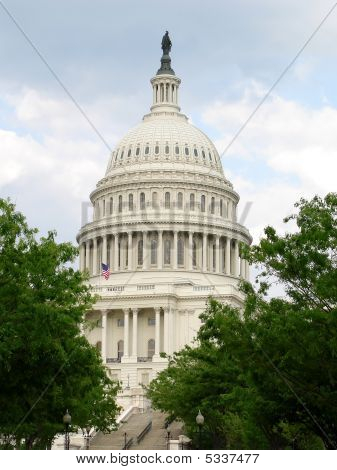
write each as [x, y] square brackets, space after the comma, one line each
[128, 444]
[141, 435]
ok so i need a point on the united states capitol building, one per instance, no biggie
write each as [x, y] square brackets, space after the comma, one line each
[165, 222]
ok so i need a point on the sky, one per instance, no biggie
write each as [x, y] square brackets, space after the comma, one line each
[227, 54]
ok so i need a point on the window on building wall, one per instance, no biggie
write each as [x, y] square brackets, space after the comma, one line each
[111, 205]
[187, 152]
[180, 251]
[120, 349]
[214, 255]
[129, 153]
[147, 150]
[120, 322]
[150, 348]
[122, 154]
[130, 202]
[156, 149]
[221, 208]
[142, 201]
[153, 251]
[180, 201]
[195, 152]
[103, 207]
[203, 154]
[212, 205]
[210, 157]
[167, 200]
[120, 203]
[194, 254]
[119, 254]
[151, 321]
[203, 203]
[145, 378]
[137, 151]
[177, 150]
[167, 149]
[192, 202]
[140, 252]
[167, 252]
[116, 156]
[155, 200]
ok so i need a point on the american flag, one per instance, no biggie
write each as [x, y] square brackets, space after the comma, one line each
[105, 271]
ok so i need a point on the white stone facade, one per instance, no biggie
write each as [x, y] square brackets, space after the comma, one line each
[165, 223]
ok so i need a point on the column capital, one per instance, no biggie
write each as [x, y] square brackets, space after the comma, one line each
[126, 311]
[104, 311]
[157, 309]
[135, 311]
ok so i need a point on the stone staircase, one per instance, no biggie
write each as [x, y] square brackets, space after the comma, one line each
[115, 440]
[154, 439]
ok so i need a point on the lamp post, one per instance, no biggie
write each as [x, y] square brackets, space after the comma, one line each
[86, 434]
[168, 436]
[66, 422]
[200, 422]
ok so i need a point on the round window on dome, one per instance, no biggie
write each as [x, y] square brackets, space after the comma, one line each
[187, 152]
[195, 152]
[203, 154]
[210, 157]
[122, 155]
[129, 153]
[167, 149]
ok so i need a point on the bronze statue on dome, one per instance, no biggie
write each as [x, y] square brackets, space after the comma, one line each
[166, 44]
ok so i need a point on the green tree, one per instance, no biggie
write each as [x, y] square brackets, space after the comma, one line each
[265, 377]
[46, 365]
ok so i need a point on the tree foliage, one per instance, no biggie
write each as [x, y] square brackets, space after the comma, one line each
[46, 365]
[266, 376]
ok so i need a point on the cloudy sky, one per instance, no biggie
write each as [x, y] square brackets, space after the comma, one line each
[228, 55]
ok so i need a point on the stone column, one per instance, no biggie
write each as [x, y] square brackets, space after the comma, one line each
[105, 250]
[87, 255]
[111, 260]
[94, 258]
[146, 261]
[160, 250]
[175, 249]
[228, 256]
[126, 332]
[82, 257]
[116, 252]
[204, 251]
[190, 251]
[135, 332]
[247, 270]
[217, 253]
[242, 268]
[166, 326]
[157, 332]
[130, 260]
[104, 334]
[236, 258]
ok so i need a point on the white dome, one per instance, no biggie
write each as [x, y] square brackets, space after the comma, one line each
[165, 137]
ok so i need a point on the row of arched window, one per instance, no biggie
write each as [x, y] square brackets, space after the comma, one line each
[192, 205]
[120, 348]
[176, 150]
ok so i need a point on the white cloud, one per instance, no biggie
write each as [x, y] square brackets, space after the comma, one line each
[295, 145]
